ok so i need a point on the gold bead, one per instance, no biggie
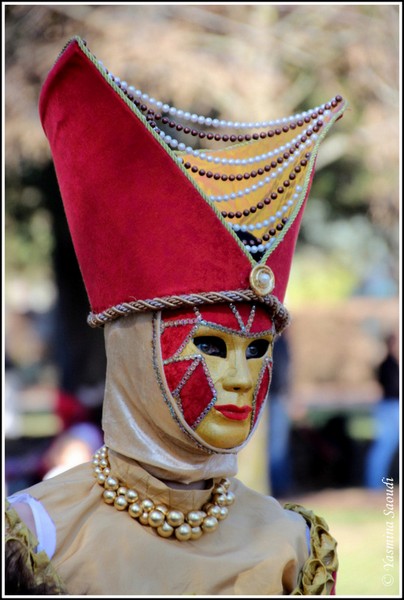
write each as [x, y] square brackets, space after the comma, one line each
[120, 503]
[144, 518]
[194, 518]
[131, 496]
[183, 532]
[225, 483]
[156, 518]
[224, 511]
[101, 478]
[147, 505]
[196, 533]
[165, 530]
[111, 483]
[219, 489]
[175, 518]
[121, 491]
[209, 524]
[134, 510]
[220, 499]
[207, 506]
[214, 511]
[230, 498]
[162, 508]
[109, 496]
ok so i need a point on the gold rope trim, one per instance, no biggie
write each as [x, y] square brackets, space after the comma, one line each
[278, 312]
[317, 575]
[27, 571]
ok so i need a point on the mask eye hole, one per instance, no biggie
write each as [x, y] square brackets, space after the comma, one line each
[211, 345]
[257, 349]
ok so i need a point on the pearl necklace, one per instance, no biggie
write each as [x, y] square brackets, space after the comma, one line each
[166, 521]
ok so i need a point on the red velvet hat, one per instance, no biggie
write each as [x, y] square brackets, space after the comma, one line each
[160, 224]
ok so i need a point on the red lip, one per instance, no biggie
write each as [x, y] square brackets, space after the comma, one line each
[231, 411]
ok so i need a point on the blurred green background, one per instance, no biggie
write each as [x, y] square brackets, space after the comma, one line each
[244, 62]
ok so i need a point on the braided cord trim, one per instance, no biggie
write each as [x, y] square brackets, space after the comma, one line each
[278, 312]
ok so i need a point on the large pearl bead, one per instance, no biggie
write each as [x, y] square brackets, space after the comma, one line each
[183, 532]
[196, 533]
[175, 518]
[147, 505]
[156, 518]
[220, 499]
[131, 496]
[120, 503]
[214, 511]
[230, 498]
[134, 510]
[165, 530]
[194, 518]
[109, 496]
[224, 511]
[209, 524]
[144, 518]
[111, 483]
[162, 508]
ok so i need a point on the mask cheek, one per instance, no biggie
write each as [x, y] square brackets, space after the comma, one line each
[262, 389]
[191, 389]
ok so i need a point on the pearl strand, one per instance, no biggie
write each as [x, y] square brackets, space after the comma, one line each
[166, 521]
[293, 144]
[208, 121]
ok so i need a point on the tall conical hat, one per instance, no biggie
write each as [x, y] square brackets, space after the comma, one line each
[160, 224]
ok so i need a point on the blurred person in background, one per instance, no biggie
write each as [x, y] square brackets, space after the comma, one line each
[279, 460]
[190, 310]
[386, 416]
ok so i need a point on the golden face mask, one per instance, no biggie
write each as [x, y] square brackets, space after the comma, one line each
[217, 365]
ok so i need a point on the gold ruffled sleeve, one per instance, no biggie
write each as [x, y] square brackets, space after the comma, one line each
[317, 576]
[27, 571]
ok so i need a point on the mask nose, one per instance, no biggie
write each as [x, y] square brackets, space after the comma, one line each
[238, 376]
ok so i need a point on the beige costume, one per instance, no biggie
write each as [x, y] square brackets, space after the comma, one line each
[259, 549]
